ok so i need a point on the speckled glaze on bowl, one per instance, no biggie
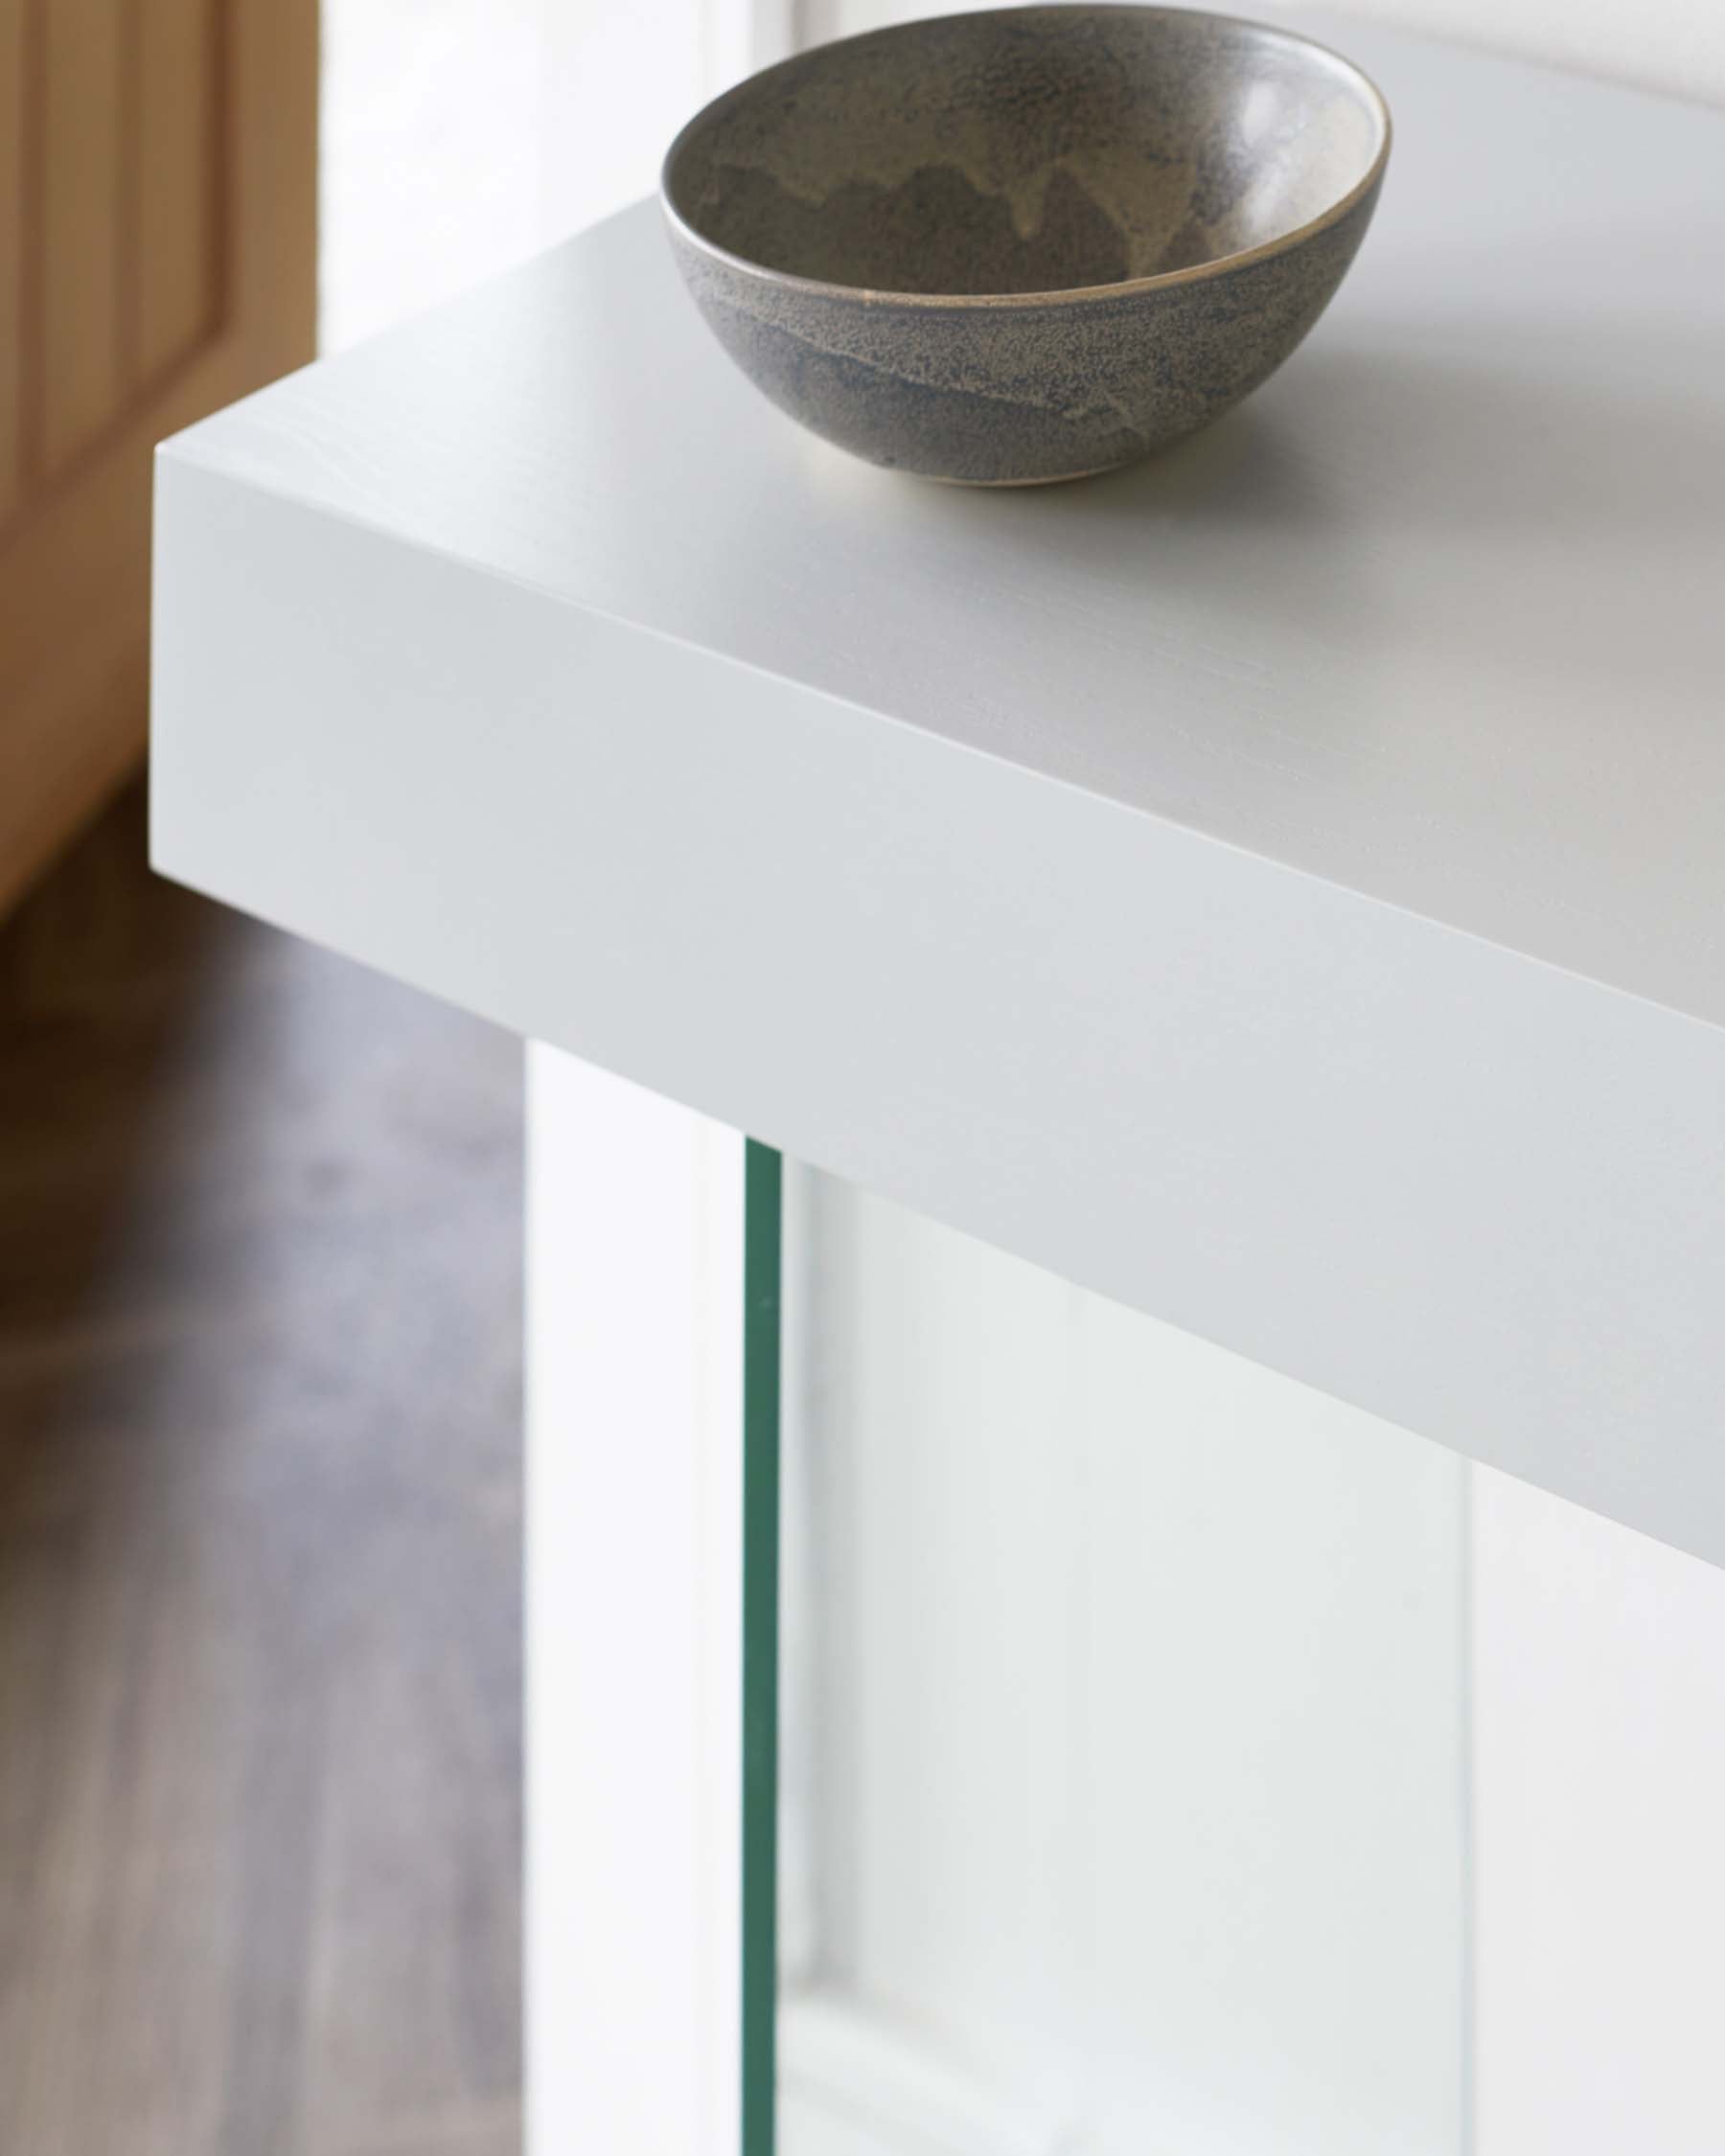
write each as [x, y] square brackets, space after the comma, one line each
[1028, 245]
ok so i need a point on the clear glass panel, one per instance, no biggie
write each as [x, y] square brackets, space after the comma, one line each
[761, 1514]
[1122, 1775]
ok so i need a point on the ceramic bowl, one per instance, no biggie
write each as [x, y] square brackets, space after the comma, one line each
[1027, 244]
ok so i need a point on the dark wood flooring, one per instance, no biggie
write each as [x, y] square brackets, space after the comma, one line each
[260, 1642]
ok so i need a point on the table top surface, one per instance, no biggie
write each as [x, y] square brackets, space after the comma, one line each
[1434, 616]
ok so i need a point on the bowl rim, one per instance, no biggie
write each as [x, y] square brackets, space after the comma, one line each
[1125, 287]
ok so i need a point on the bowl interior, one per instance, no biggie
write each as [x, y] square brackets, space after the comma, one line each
[1029, 150]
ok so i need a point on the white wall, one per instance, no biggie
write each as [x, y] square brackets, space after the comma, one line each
[1673, 45]
[1131, 1722]
[461, 137]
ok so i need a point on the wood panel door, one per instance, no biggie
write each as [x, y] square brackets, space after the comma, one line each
[159, 163]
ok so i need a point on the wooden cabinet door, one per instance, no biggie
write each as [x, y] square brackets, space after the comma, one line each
[159, 163]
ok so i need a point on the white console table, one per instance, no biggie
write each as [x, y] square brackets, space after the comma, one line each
[1280, 889]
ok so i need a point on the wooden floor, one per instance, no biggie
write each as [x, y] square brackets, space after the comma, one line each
[260, 1643]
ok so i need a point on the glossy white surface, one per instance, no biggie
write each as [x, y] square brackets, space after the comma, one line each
[633, 1617]
[1247, 886]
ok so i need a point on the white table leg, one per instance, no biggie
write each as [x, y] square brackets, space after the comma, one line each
[635, 1600]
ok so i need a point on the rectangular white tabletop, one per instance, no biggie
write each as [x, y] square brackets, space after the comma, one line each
[1279, 886]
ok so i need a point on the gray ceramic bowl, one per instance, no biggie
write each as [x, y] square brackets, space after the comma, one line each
[1027, 244]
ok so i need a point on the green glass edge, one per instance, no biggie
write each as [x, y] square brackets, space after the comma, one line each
[763, 1187]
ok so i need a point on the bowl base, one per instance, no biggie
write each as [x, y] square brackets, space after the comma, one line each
[1048, 479]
